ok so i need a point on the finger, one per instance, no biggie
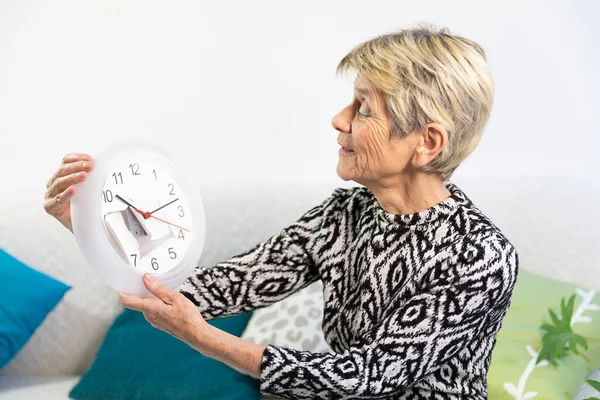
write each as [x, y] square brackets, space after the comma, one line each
[72, 157]
[70, 168]
[138, 303]
[55, 204]
[62, 183]
[158, 289]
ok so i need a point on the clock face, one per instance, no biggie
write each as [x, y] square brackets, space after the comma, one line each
[146, 215]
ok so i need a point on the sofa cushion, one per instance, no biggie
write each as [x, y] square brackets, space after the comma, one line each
[137, 361]
[514, 372]
[293, 323]
[36, 387]
[26, 297]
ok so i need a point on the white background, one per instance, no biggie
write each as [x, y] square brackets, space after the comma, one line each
[245, 90]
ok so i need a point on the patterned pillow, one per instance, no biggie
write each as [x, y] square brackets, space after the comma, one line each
[293, 323]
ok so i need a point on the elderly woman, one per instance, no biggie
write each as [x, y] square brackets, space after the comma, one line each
[416, 279]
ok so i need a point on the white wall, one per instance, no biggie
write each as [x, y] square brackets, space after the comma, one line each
[245, 90]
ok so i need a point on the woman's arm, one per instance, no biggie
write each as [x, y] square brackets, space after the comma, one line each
[269, 272]
[242, 355]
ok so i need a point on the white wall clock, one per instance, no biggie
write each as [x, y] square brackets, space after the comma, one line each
[137, 212]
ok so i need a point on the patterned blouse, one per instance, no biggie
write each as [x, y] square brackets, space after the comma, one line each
[412, 303]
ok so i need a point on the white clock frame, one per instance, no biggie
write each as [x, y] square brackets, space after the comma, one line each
[92, 237]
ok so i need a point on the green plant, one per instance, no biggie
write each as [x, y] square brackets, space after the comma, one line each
[558, 338]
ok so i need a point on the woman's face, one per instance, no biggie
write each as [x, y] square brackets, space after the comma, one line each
[368, 153]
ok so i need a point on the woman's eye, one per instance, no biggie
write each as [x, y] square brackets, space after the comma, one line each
[363, 111]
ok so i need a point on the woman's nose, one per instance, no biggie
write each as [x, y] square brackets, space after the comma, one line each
[342, 121]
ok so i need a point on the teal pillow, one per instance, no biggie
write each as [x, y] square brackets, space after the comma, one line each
[137, 361]
[26, 297]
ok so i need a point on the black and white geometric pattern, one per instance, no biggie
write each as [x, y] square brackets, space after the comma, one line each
[412, 303]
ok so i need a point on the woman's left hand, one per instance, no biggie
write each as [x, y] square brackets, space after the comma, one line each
[170, 311]
[174, 313]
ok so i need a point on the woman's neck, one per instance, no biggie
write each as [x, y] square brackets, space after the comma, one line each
[409, 195]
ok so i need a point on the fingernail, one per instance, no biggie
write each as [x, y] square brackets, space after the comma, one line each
[149, 278]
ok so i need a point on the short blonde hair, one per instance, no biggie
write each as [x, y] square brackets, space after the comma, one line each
[425, 76]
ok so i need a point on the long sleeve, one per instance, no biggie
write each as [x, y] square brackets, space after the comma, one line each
[269, 272]
[416, 337]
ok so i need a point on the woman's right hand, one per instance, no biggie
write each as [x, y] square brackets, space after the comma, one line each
[61, 186]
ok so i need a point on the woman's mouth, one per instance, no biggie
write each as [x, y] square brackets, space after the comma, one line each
[345, 151]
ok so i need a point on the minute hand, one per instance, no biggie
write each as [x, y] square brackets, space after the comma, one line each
[161, 207]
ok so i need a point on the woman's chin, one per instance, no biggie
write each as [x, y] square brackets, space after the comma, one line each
[344, 173]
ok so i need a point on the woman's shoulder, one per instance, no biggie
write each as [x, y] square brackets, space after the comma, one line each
[488, 255]
[479, 238]
[469, 220]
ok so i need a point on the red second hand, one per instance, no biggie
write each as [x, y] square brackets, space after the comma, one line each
[167, 222]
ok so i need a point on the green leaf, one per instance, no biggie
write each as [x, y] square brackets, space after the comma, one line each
[594, 384]
[566, 311]
[575, 340]
[547, 327]
[554, 317]
[570, 308]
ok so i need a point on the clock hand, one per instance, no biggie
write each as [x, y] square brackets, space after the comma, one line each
[161, 207]
[167, 222]
[145, 214]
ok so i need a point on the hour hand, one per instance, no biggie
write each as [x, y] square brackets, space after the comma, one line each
[145, 214]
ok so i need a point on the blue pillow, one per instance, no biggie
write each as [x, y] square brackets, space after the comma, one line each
[137, 361]
[26, 297]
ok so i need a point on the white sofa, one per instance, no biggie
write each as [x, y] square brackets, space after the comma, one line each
[553, 222]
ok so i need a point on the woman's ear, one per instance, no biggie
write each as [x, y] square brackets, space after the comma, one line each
[432, 141]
